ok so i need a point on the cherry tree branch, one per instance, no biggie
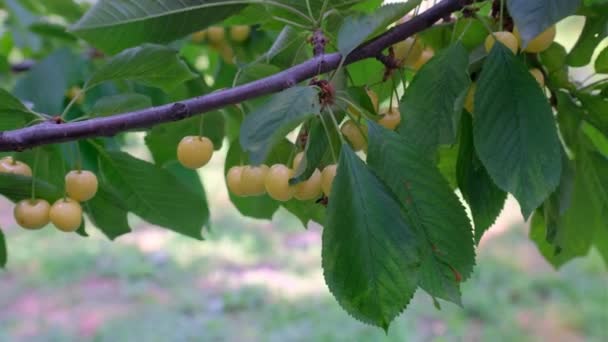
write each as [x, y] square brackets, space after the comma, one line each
[51, 132]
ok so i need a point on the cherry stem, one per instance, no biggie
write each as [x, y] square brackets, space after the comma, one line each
[331, 146]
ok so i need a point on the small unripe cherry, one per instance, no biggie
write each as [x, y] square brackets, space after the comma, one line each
[240, 33]
[194, 152]
[216, 34]
[391, 119]
[538, 76]
[310, 188]
[66, 215]
[354, 134]
[32, 214]
[327, 178]
[199, 37]
[506, 38]
[253, 180]
[277, 183]
[469, 102]
[226, 52]
[541, 42]
[74, 92]
[408, 51]
[233, 180]
[15, 167]
[81, 185]
[426, 55]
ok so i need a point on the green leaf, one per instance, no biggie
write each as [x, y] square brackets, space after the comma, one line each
[260, 207]
[108, 212]
[152, 65]
[113, 25]
[432, 208]
[3, 253]
[269, 123]
[601, 63]
[594, 31]
[433, 102]
[356, 29]
[306, 211]
[17, 188]
[514, 130]
[370, 257]
[154, 194]
[485, 199]
[116, 104]
[46, 83]
[52, 30]
[596, 108]
[13, 113]
[162, 140]
[533, 17]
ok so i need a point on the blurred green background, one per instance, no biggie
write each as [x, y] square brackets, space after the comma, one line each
[261, 281]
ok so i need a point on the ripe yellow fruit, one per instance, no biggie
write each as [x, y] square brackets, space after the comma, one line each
[506, 38]
[354, 135]
[240, 33]
[32, 214]
[194, 152]
[538, 75]
[253, 180]
[310, 188]
[66, 215]
[199, 37]
[327, 178]
[469, 102]
[81, 185]
[12, 166]
[226, 52]
[277, 183]
[373, 97]
[390, 119]
[233, 180]
[74, 92]
[216, 34]
[541, 42]
[408, 51]
[426, 55]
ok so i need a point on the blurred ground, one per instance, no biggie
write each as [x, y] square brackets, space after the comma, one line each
[262, 281]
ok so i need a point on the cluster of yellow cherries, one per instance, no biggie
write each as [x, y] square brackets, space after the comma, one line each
[512, 40]
[65, 213]
[251, 180]
[216, 36]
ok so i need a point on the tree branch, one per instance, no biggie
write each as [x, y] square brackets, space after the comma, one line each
[48, 132]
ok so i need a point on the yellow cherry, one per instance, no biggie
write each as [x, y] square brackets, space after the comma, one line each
[310, 188]
[390, 119]
[81, 185]
[233, 180]
[66, 215]
[194, 152]
[469, 102]
[327, 178]
[408, 51]
[505, 37]
[538, 75]
[216, 34]
[541, 42]
[199, 37]
[253, 180]
[354, 134]
[277, 183]
[240, 33]
[32, 214]
[12, 166]
[426, 55]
